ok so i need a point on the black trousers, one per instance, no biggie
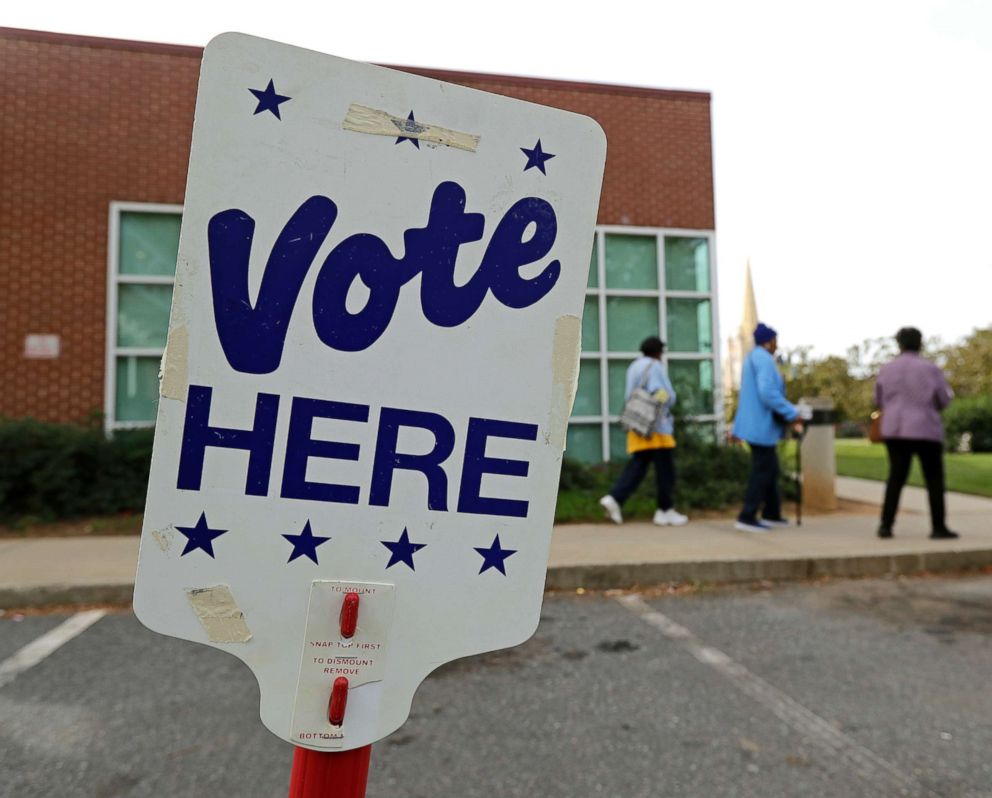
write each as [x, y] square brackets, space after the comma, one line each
[762, 485]
[931, 454]
[637, 467]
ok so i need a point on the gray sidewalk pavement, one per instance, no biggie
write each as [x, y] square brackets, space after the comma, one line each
[832, 544]
[48, 571]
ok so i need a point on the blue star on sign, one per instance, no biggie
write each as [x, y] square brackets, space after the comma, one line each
[415, 142]
[200, 536]
[494, 556]
[402, 550]
[268, 100]
[305, 543]
[536, 157]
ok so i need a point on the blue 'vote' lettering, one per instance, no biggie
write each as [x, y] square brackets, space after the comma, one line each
[252, 336]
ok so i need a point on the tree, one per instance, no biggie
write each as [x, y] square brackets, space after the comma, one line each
[830, 376]
[968, 364]
[865, 359]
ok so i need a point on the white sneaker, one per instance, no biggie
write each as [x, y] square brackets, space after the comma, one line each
[609, 504]
[670, 518]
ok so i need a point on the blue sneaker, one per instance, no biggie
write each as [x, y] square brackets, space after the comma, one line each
[775, 521]
[752, 526]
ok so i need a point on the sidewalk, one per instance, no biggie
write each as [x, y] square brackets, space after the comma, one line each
[50, 571]
[835, 544]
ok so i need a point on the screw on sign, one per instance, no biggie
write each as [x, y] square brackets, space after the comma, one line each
[372, 356]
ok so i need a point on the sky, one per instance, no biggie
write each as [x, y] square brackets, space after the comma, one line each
[852, 141]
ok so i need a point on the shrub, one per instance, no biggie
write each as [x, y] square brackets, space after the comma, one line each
[50, 471]
[577, 476]
[56, 471]
[851, 429]
[708, 477]
[971, 415]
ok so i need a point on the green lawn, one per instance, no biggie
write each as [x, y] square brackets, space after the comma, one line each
[965, 473]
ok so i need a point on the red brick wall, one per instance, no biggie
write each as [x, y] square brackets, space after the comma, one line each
[85, 122]
[88, 121]
[659, 161]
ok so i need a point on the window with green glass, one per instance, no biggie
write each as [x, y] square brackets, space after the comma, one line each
[584, 443]
[654, 283]
[690, 325]
[693, 383]
[587, 398]
[594, 264]
[143, 314]
[617, 383]
[618, 442]
[147, 249]
[149, 243]
[632, 262]
[590, 325]
[687, 264]
[137, 388]
[629, 320]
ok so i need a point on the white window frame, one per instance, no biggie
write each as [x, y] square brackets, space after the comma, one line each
[604, 357]
[115, 279]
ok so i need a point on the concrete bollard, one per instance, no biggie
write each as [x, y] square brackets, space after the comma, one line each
[818, 457]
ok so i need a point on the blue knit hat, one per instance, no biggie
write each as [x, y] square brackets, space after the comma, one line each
[763, 334]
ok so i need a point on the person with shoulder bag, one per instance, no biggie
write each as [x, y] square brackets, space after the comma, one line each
[763, 416]
[649, 398]
[911, 392]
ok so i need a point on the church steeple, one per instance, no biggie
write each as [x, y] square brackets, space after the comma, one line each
[739, 344]
[749, 320]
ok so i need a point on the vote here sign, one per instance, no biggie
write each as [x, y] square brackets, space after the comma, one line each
[372, 356]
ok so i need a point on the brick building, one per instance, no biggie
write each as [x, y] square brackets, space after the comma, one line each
[94, 143]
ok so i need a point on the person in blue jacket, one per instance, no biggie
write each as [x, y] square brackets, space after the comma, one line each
[762, 396]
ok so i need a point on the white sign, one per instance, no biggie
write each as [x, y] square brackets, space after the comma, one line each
[372, 357]
[42, 347]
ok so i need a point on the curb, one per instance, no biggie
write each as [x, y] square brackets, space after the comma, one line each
[620, 576]
[39, 596]
[640, 575]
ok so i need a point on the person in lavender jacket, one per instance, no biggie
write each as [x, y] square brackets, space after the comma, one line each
[911, 392]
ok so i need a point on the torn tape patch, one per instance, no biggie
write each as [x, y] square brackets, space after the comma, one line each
[363, 119]
[219, 614]
[174, 377]
[564, 375]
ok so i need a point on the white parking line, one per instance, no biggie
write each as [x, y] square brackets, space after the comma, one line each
[884, 776]
[35, 651]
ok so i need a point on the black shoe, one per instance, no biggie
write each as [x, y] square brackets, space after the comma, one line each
[944, 534]
[885, 531]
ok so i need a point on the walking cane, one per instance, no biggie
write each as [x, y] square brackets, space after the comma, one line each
[799, 474]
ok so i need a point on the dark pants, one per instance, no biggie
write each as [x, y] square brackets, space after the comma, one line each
[637, 467]
[931, 454]
[762, 485]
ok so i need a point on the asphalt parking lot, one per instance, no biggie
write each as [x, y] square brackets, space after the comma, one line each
[844, 688]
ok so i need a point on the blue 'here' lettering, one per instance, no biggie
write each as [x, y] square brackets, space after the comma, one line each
[301, 447]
